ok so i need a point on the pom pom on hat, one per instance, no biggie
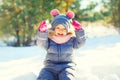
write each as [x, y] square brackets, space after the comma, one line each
[54, 12]
[70, 14]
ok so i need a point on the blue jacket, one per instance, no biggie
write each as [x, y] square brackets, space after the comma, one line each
[58, 53]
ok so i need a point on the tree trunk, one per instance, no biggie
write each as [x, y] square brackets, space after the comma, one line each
[18, 38]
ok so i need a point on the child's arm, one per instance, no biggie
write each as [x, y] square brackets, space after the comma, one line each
[80, 35]
[42, 35]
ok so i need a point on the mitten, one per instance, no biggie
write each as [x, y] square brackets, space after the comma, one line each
[76, 25]
[43, 26]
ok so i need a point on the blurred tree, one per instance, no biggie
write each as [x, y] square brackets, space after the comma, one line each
[115, 12]
[85, 14]
[21, 17]
[17, 13]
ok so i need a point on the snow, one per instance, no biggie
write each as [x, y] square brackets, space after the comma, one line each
[100, 31]
[23, 69]
[97, 60]
[101, 63]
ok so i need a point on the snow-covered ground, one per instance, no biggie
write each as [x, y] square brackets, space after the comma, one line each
[97, 60]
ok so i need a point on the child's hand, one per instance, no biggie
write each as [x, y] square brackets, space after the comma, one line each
[43, 26]
[76, 25]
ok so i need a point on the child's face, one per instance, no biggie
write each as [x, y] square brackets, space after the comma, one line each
[60, 30]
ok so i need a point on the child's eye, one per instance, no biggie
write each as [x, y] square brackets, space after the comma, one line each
[64, 29]
[57, 28]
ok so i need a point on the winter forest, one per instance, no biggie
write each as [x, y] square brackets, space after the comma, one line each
[21, 58]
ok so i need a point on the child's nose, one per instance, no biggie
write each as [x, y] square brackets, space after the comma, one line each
[61, 29]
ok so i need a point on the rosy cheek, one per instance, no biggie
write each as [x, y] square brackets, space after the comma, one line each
[55, 33]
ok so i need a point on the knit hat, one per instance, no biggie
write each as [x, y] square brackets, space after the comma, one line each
[65, 20]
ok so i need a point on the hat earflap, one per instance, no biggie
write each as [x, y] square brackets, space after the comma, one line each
[54, 12]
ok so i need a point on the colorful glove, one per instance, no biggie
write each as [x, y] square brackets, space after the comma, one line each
[76, 25]
[43, 26]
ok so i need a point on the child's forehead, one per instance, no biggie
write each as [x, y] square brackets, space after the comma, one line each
[60, 26]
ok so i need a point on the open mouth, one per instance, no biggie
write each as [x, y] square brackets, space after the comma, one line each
[59, 34]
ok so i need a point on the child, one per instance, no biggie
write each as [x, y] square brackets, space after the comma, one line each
[60, 41]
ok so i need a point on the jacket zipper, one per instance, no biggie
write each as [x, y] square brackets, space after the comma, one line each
[59, 47]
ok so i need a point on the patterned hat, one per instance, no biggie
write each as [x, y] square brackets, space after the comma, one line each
[65, 20]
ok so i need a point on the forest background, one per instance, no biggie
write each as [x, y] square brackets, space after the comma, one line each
[19, 19]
